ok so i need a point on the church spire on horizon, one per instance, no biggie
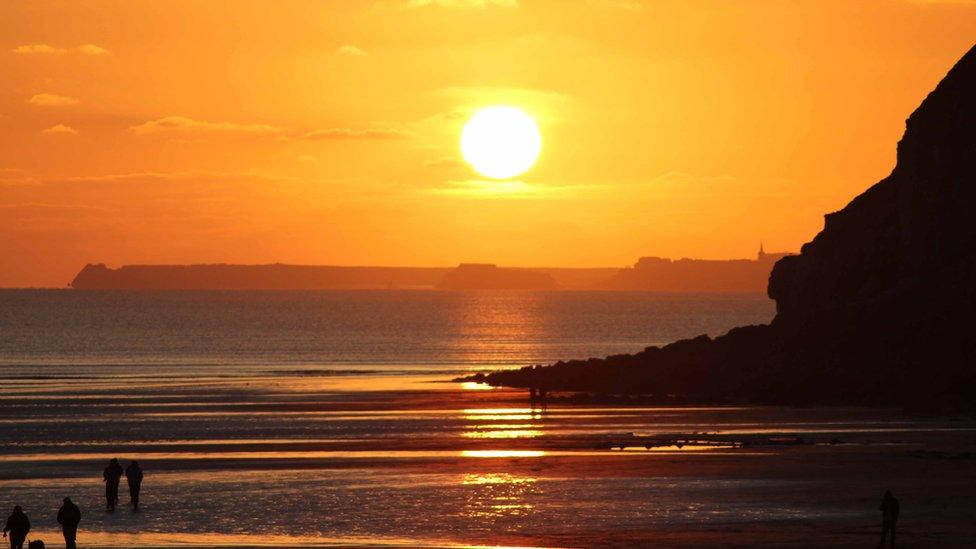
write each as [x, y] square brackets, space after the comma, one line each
[762, 252]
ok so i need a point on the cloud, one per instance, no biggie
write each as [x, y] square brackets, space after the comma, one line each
[41, 207]
[445, 162]
[477, 188]
[351, 50]
[92, 49]
[38, 48]
[685, 178]
[51, 100]
[339, 134]
[191, 175]
[60, 129]
[185, 125]
[464, 4]
[632, 5]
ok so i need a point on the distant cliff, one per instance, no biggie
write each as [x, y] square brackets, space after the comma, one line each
[253, 277]
[685, 275]
[877, 309]
[696, 275]
[309, 277]
[477, 276]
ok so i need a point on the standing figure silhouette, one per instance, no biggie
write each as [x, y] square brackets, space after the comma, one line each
[18, 525]
[68, 517]
[133, 474]
[111, 476]
[889, 516]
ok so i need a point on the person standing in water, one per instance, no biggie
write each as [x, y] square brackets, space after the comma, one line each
[111, 476]
[68, 517]
[889, 516]
[18, 525]
[133, 474]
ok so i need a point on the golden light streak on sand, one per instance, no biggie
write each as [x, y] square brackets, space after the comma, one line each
[502, 453]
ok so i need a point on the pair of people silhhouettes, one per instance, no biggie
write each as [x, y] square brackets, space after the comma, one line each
[113, 475]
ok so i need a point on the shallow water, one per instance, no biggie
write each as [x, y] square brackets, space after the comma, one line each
[292, 419]
[399, 330]
[236, 459]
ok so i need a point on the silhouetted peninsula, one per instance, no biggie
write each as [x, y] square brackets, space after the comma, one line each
[482, 276]
[648, 274]
[876, 310]
[253, 277]
[696, 275]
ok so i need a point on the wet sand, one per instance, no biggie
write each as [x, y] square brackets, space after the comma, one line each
[251, 457]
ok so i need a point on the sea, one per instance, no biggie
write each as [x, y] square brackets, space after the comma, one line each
[331, 419]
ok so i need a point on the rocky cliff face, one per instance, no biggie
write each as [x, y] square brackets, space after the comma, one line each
[877, 309]
[916, 223]
[880, 302]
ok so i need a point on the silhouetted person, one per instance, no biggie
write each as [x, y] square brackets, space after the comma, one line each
[18, 525]
[69, 515]
[133, 474]
[889, 516]
[111, 476]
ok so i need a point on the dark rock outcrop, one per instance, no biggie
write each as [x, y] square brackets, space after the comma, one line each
[876, 309]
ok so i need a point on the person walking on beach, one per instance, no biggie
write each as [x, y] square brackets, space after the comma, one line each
[18, 525]
[111, 476]
[69, 515]
[889, 516]
[133, 474]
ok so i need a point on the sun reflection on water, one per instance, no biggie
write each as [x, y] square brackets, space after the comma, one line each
[476, 386]
[502, 430]
[496, 495]
[502, 453]
[504, 433]
[502, 417]
[495, 478]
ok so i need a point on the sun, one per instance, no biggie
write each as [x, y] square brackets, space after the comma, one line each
[501, 142]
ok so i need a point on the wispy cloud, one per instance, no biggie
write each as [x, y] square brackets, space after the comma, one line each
[92, 49]
[445, 162]
[338, 134]
[51, 100]
[351, 50]
[41, 207]
[689, 179]
[477, 188]
[632, 5]
[41, 49]
[188, 126]
[191, 175]
[60, 129]
[935, 2]
[464, 4]
[183, 124]
[28, 49]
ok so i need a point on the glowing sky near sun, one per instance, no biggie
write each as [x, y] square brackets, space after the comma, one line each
[328, 132]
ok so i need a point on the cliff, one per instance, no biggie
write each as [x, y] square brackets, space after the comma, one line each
[253, 277]
[658, 274]
[876, 309]
[478, 276]
[685, 275]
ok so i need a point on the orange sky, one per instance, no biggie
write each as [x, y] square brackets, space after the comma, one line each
[326, 132]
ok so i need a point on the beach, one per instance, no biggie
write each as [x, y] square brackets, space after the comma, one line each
[330, 419]
[244, 457]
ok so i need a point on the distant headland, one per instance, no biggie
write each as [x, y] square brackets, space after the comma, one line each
[648, 274]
